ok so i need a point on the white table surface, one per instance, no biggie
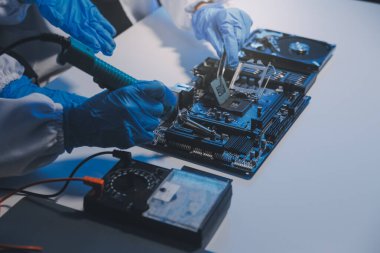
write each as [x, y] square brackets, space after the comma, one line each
[319, 190]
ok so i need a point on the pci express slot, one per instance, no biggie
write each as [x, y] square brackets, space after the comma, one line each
[278, 127]
[173, 136]
[182, 145]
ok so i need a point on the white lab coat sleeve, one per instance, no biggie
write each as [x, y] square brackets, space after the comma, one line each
[10, 70]
[12, 12]
[31, 133]
[181, 11]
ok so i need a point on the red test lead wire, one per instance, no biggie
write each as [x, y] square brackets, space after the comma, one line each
[12, 248]
[91, 181]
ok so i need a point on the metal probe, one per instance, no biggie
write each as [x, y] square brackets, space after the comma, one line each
[183, 116]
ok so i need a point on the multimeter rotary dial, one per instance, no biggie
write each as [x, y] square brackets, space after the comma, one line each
[126, 183]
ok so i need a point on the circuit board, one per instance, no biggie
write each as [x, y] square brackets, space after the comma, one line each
[247, 127]
[234, 126]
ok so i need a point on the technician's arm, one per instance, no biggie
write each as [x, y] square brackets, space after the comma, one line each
[30, 132]
[225, 28]
[181, 11]
[81, 19]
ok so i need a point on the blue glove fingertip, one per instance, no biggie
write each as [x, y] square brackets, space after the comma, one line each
[110, 48]
[233, 61]
[170, 98]
[104, 38]
[167, 97]
[224, 28]
[108, 51]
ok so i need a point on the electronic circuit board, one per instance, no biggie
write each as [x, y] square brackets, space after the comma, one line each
[234, 126]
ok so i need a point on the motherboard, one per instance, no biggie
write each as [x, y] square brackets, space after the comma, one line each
[233, 120]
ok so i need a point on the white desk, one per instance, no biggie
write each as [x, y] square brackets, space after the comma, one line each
[319, 189]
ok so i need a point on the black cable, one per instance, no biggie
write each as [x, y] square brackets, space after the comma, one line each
[19, 42]
[34, 194]
[29, 71]
[48, 37]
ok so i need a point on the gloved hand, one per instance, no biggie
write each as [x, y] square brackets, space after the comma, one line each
[121, 118]
[222, 27]
[82, 20]
[24, 86]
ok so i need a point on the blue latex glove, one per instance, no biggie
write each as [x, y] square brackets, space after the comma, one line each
[121, 118]
[82, 20]
[222, 27]
[24, 86]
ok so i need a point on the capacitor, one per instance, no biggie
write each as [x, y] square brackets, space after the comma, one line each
[227, 117]
[252, 154]
[218, 115]
[259, 111]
